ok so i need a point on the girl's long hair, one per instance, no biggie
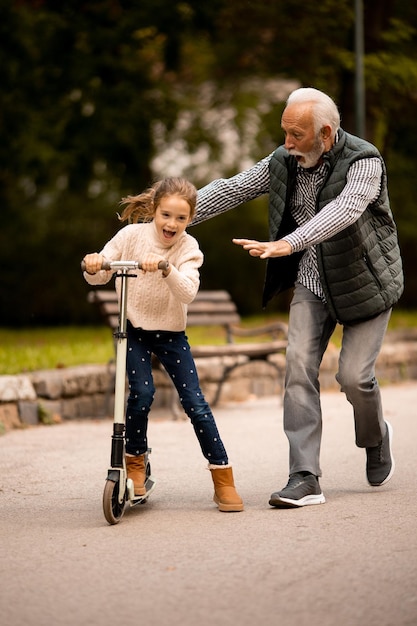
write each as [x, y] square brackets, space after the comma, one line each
[141, 208]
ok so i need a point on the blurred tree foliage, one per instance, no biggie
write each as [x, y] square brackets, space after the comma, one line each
[99, 97]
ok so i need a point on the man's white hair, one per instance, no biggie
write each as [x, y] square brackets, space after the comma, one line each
[325, 110]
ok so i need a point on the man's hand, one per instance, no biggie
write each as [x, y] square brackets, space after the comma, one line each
[265, 249]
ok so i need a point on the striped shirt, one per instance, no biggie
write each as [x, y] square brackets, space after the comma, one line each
[362, 187]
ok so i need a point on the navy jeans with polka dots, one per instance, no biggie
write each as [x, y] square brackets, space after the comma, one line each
[173, 351]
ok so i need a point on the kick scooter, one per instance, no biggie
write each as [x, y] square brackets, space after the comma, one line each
[119, 489]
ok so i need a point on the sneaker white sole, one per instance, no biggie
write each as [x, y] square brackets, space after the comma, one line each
[306, 501]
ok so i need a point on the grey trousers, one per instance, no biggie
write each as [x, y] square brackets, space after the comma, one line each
[310, 329]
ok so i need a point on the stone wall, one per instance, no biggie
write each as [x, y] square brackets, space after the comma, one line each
[49, 396]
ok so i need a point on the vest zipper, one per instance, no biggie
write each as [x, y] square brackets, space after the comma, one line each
[372, 271]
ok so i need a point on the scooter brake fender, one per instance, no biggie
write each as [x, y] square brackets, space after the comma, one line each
[117, 477]
[113, 475]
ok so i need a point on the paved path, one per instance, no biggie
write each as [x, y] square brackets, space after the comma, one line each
[177, 560]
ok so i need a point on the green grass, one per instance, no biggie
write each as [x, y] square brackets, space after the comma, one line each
[25, 350]
[30, 349]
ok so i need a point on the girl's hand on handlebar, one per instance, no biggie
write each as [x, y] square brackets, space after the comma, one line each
[265, 249]
[150, 263]
[93, 262]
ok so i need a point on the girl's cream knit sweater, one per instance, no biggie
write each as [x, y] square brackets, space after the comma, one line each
[155, 302]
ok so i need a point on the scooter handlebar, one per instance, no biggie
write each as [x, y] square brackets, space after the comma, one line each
[130, 265]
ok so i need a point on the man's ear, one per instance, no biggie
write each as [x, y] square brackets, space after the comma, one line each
[326, 132]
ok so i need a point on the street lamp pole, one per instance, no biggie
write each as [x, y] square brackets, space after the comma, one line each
[359, 74]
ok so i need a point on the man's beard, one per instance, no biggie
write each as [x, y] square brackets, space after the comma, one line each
[310, 158]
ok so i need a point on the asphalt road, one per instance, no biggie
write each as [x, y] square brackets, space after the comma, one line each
[178, 561]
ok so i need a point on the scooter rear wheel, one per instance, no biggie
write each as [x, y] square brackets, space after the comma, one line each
[113, 509]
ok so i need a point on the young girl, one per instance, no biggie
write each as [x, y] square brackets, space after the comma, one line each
[157, 316]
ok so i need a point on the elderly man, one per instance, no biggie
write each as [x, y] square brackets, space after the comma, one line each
[332, 238]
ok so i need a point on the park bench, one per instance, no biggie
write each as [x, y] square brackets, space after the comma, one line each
[213, 308]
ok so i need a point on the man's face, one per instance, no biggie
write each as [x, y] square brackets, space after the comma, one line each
[301, 139]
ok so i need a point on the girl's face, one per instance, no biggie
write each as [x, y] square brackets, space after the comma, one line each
[172, 217]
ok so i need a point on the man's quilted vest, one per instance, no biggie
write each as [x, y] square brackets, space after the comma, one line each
[360, 267]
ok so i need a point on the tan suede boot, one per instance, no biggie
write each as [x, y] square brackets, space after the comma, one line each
[225, 494]
[136, 470]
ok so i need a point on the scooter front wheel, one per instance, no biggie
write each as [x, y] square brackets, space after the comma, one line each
[113, 509]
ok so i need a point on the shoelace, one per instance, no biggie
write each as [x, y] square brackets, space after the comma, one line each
[381, 452]
[295, 479]
[377, 452]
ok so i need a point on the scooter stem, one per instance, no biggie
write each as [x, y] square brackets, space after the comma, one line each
[121, 352]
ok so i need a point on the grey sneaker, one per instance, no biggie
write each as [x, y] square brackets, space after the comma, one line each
[301, 490]
[380, 463]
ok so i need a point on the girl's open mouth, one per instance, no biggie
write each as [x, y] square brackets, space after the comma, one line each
[168, 234]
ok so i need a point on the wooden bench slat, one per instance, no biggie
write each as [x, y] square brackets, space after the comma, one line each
[251, 350]
[101, 295]
[97, 296]
[203, 306]
[109, 308]
[274, 329]
[212, 319]
[218, 295]
[107, 297]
